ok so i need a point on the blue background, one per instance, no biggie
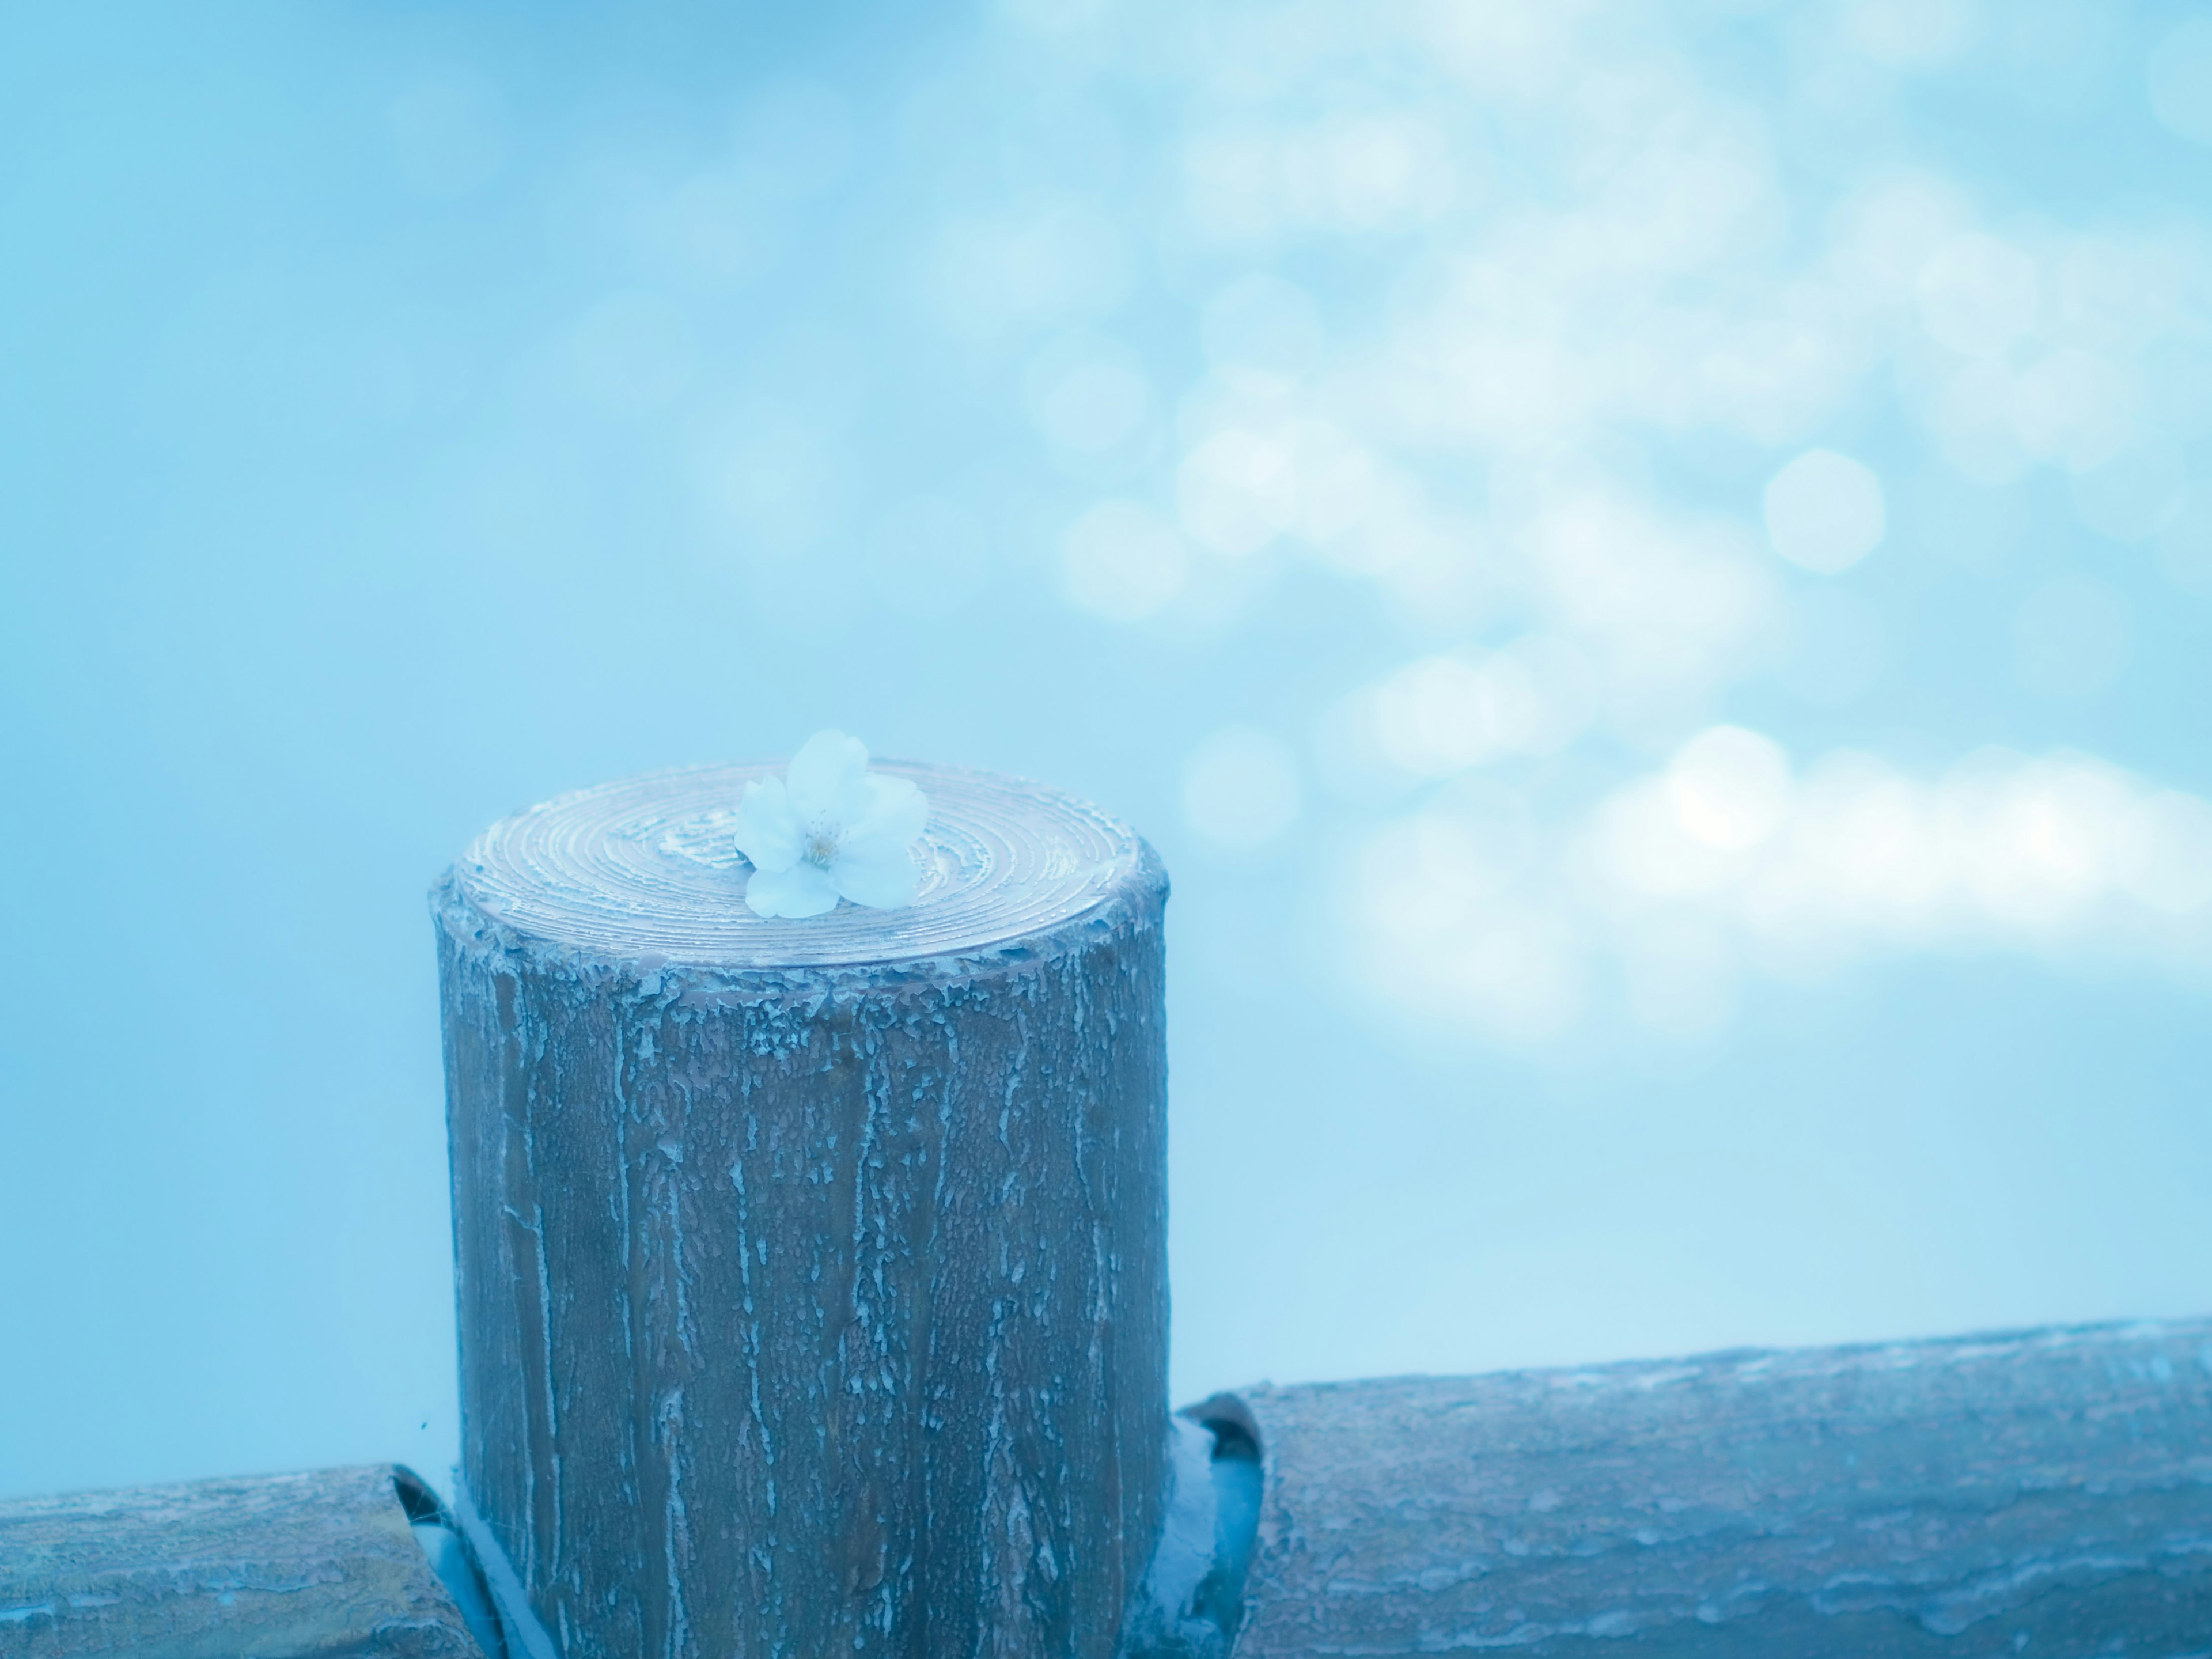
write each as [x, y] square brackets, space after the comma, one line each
[410, 412]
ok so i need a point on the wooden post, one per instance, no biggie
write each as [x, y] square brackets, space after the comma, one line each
[811, 1273]
[275, 1566]
[2046, 1494]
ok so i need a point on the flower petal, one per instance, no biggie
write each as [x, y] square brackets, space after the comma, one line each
[768, 829]
[828, 779]
[895, 814]
[882, 873]
[804, 889]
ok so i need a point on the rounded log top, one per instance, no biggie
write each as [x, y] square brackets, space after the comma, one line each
[646, 870]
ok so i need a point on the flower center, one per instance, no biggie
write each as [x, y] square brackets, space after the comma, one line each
[821, 846]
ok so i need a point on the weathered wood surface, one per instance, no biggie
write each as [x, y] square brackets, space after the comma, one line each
[319, 1565]
[2047, 1494]
[812, 1274]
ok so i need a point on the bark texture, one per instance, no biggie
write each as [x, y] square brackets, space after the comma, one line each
[2047, 1494]
[812, 1274]
[321, 1566]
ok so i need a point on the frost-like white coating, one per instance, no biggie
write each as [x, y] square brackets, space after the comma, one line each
[648, 869]
[812, 1276]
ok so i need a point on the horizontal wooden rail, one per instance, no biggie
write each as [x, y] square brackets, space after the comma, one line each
[351, 1562]
[2046, 1493]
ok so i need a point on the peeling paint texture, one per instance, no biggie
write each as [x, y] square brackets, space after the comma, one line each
[2046, 1493]
[812, 1274]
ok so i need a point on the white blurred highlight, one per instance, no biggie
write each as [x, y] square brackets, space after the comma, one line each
[1978, 296]
[1729, 787]
[1911, 34]
[1237, 491]
[1444, 714]
[1088, 396]
[1241, 788]
[1729, 860]
[1122, 562]
[1453, 342]
[1825, 512]
[2180, 81]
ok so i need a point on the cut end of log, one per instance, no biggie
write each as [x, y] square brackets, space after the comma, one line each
[647, 869]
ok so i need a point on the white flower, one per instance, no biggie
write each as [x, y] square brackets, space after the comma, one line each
[830, 828]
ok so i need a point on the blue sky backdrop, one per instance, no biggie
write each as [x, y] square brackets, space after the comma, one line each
[1647, 563]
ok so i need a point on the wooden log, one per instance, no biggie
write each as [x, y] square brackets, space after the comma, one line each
[2047, 1494]
[811, 1273]
[319, 1565]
